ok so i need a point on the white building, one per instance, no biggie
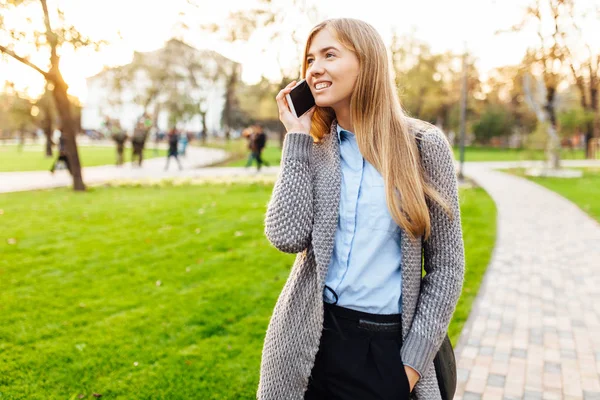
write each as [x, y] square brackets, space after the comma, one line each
[168, 77]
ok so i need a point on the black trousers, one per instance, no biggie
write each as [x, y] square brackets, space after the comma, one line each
[358, 358]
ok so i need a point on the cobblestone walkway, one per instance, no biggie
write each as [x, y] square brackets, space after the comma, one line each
[534, 331]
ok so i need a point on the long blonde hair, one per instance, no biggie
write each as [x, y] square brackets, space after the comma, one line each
[380, 126]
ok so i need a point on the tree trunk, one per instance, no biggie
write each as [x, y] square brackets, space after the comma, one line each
[68, 129]
[204, 131]
[47, 127]
[21, 142]
[587, 139]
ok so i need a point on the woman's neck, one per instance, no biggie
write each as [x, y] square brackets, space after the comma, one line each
[342, 114]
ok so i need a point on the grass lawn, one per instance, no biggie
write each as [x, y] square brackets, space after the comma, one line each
[496, 154]
[239, 153]
[272, 154]
[33, 158]
[478, 214]
[152, 292]
[584, 191]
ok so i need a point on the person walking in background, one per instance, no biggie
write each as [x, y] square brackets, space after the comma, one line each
[261, 143]
[173, 139]
[249, 134]
[119, 136]
[62, 154]
[257, 140]
[137, 143]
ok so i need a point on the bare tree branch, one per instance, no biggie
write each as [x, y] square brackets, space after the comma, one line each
[50, 35]
[23, 60]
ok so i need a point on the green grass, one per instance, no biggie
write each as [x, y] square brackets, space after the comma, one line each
[80, 302]
[33, 158]
[238, 151]
[584, 191]
[498, 154]
[478, 216]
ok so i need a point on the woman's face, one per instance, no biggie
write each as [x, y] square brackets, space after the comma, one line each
[331, 71]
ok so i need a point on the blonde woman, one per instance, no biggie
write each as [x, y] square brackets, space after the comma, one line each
[363, 192]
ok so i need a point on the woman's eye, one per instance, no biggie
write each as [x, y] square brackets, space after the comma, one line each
[329, 54]
[309, 61]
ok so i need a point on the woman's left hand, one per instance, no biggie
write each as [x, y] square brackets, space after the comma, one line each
[413, 377]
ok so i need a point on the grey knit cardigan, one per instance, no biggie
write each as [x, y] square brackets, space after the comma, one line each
[302, 218]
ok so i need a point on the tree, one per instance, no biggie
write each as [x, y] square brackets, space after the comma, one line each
[430, 84]
[496, 121]
[545, 59]
[17, 116]
[52, 38]
[257, 100]
[233, 116]
[176, 79]
[283, 21]
[504, 90]
[46, 118]
[585, 70]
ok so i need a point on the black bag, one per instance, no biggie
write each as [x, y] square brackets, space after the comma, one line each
[445, 369]
[444, 361]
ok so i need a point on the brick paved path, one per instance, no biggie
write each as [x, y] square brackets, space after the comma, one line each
[534, 331]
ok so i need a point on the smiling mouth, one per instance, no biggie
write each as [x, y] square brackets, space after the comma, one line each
[321, 87]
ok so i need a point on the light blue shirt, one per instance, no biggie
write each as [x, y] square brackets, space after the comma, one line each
[365, 267]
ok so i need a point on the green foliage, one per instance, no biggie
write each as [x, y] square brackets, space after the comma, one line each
[538, 138]
[15, 113]
[574, 121]
[494, 122]
[258, 100]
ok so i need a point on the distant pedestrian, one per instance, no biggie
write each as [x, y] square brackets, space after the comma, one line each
[138, 141]
[257, 141]
[261, 143]
[62, 154]
[120, 138]
[173, 139]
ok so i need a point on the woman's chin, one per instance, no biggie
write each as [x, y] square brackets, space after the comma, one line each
[322, 103]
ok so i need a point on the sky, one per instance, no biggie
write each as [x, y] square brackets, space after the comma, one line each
[145, 25]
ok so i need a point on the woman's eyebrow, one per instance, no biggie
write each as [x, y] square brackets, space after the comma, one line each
[323, 50]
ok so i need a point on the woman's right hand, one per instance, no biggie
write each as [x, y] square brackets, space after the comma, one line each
[291, 123]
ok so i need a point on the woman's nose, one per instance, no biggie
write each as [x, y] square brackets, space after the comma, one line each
[315, 70]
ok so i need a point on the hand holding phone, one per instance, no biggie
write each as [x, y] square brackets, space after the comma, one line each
[296, 106]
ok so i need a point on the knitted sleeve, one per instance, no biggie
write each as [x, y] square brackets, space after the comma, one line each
[289, 219]
[443, 258]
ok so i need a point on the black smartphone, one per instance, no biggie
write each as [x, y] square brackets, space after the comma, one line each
[300, 99]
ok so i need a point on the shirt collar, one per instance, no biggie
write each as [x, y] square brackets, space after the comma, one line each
[343, 133]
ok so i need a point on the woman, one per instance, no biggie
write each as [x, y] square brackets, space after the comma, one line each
[362, 191]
